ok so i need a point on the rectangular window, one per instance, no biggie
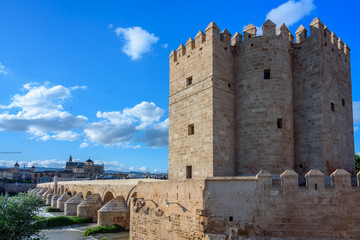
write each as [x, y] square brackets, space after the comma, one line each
[188, 172]
[279, 123]
[267, 74]
[333, 107]
[343, 102]
[188, 81]
[191, 129]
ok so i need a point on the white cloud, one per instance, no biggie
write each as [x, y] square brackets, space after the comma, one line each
[165, 45]
[137, 41]
[157, 135]
[63, 136]
[143, 169]
[78, 87]
[84, 145]
[49, 163]
[123, 128]
[290, 12]
[356, 112]
[39, 112]
[3, 70]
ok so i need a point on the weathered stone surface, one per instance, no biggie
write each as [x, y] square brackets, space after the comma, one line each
[61, 201]
[48, 199]
[89, 207]
[54, 199]
[114, 212]
[70, 208]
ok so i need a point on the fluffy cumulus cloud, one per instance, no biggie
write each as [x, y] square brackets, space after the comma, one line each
[157, 135]
[123, 128]
[137, 41]
[3, 70]
[291, 12]
[39, 111]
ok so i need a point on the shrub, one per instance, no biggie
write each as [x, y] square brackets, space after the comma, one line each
[52, 209]
[17, 214]
[63, 221]
[103, 229]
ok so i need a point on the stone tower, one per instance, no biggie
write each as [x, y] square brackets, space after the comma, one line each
[245, 103]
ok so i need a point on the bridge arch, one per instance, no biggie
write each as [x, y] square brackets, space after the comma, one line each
[74, 193]
[130, 195]
[88, 194]
[107, 197]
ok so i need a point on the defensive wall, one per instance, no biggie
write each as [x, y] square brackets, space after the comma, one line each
[248, 207]
[256, 207]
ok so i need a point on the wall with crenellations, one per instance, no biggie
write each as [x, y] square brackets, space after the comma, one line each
[248, 207]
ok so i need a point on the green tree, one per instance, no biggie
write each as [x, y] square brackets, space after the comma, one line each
[357, 162]
[17, 217]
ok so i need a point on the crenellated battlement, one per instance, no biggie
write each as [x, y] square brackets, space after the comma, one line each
[269, 29]
[315, 179]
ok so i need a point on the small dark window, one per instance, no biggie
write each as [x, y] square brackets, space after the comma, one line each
[267, 74]
[279, 123]
[225, 48]
[231, 218]
[324, 33]
[252, 44]
[325, 44]
[332, 49]
[200, 49]
[333, 107]
[249, 36]
[191, 129]
[229, 85]
[188, 81]
[343, 102]
[315, 187]
[300, 166]
[188, 172]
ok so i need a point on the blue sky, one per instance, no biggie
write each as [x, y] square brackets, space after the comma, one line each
[91, 78]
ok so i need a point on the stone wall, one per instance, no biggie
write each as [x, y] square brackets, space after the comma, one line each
[324, 136]
[167, 210]
[244, 207]
[261, 103]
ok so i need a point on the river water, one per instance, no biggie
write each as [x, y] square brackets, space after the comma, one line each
[75, 232]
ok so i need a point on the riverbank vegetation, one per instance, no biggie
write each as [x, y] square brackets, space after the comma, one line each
[52, 209]
[104, 229]
[17, 214]
[60, 221]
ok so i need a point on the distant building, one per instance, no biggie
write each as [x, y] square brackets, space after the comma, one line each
[85, 169]
[6, 173]
[73, 171]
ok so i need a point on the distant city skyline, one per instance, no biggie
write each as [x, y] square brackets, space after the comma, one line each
[91, 79]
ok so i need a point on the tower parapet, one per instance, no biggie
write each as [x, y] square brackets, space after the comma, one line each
[245, 102]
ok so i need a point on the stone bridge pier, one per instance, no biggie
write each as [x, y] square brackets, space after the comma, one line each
[105, 201]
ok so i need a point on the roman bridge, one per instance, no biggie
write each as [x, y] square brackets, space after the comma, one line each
[105, 201]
